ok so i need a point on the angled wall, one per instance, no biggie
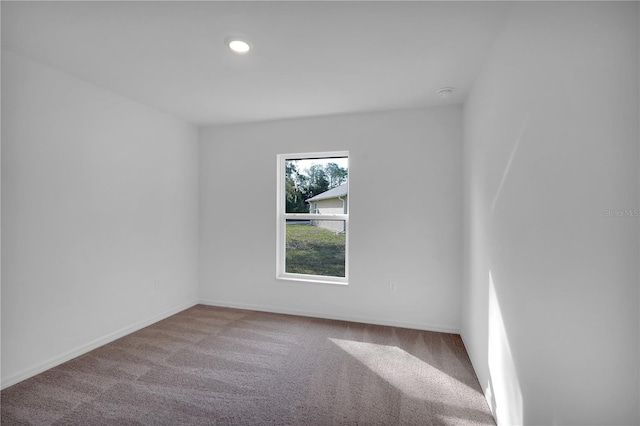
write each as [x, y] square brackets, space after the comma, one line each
[550, 302]
[99, 198]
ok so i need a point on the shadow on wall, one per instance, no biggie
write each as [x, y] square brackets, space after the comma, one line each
[512, 155]
[503, 383]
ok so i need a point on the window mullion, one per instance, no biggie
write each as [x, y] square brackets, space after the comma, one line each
[318, 216]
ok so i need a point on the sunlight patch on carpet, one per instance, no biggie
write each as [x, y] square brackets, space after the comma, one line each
[410, 375]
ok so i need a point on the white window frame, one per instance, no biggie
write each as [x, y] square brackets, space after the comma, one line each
[282, 216]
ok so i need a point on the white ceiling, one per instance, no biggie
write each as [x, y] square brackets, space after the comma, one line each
[309, 58]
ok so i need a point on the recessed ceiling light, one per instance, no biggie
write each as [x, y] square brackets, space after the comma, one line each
[237, 45]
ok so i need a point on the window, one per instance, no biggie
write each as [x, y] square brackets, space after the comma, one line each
[313, 217]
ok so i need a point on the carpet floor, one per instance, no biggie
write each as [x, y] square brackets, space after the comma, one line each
[220, 366]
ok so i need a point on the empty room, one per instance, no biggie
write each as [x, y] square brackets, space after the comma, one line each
[320, 213]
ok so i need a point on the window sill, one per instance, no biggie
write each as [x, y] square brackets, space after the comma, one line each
[311, 279]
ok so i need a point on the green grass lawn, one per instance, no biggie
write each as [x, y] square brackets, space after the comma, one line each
[314, 250]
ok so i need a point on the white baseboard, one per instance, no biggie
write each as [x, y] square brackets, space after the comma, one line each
[81, 350]
[365, 320]
[475, 369]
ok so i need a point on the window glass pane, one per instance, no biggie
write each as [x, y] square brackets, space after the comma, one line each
[315, 247]
[316, 185]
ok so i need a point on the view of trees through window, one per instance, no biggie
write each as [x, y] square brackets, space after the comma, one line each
[316, 246]
[310, 177]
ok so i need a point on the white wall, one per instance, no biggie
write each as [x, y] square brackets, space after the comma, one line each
[405, 190]
[550, 310]
[99, 197]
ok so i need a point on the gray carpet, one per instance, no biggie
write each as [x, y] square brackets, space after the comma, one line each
[209, 365]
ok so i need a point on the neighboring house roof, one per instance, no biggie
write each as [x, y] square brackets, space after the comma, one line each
[338, 191]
